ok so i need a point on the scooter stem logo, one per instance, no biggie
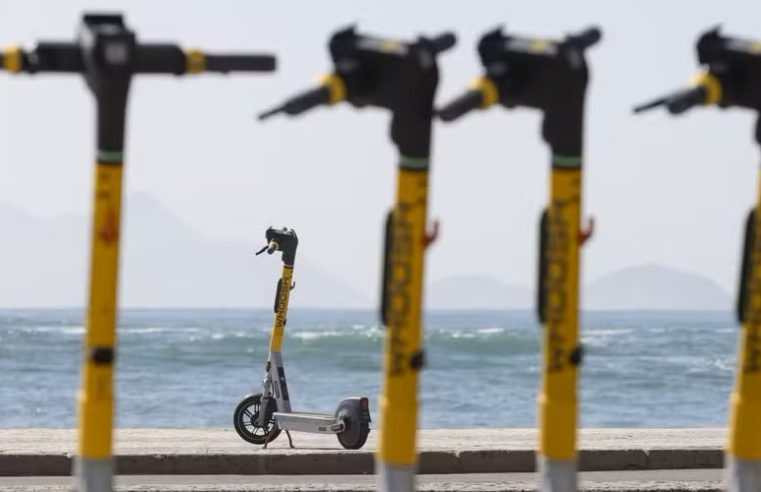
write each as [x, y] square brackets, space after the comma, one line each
[283, 293]
[400, 284]
[558, 235]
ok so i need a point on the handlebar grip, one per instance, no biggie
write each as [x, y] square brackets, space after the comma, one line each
[55, 57]
[689, 98]
[443, 42]
[298, 104]
[170, 58]
[464, 104]
[240, 63]
[307, 100]
[160, 58]
[587, 37]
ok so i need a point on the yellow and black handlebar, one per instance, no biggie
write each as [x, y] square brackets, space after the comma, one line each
[283, 240]
[107, 53]
[348, 48]
[506, 60]
[731, 77]
[121, 48]
[148, 58]
[705, 89]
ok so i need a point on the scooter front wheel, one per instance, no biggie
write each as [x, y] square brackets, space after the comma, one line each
[246, 415]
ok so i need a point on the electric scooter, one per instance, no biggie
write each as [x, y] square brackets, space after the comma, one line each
[401, 77]
[260, 417]
[550, 76]
[108, 54]
[732, 78]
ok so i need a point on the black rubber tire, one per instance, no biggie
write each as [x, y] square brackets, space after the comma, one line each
[350, 443]
[247, 412]
[355, 432]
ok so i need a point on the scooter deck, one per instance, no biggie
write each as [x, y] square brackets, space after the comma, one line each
[309, 422]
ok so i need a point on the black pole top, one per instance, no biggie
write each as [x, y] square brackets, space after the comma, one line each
[536, 73]
[284, 240]
[370, 71]
[731, 77]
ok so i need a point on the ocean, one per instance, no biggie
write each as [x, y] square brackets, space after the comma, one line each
[189, 368]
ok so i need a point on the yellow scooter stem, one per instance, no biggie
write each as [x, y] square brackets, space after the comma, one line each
[95, 397]
[561, 352]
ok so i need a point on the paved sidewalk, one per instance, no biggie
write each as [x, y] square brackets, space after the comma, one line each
[40, 452]
[620, 481]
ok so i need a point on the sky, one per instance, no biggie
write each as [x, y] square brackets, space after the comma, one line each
[673, 191]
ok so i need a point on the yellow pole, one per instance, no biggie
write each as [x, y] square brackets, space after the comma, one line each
[95, 397]
[744, 447]
[403, 356]
[561, 352]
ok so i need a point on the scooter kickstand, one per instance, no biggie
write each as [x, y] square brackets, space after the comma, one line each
[290, 441]
[267, 441]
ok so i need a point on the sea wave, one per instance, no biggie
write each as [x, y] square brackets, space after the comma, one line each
[646, 369]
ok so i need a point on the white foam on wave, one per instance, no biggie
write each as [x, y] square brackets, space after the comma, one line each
[154, 329]
[65, 330]
[463, 334]
[604, 332]
[315, 335]
[492, 330]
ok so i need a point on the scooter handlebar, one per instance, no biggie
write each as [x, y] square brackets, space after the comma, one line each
[443, 42]
[270, 248]
[148, 58]
[678, 102]
[460, 106]
[322, 94]
[586, 38]
[170, 58]
[682, 101]
[240, 63]
[303, 102]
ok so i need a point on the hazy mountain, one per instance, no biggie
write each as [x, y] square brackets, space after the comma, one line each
[655, 287]
[168, 263]
[477, 292]
[165, 262]
[637, 287]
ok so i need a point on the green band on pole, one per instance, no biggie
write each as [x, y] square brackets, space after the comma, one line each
[418, 163]
[566, 160]
[110, 156]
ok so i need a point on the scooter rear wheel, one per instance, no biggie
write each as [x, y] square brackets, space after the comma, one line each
[355, 430]
[246, 414]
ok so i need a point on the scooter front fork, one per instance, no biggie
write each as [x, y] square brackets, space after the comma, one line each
[261, 419]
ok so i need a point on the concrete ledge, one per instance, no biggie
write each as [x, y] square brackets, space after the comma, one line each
[34, 452]
[358, 463]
